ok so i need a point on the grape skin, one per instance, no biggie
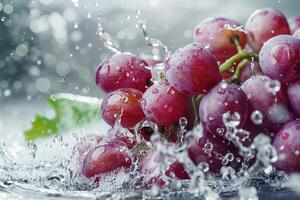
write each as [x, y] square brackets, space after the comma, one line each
[214, 34]
[221, 99]
[264, 100]
[251, 69]
[287, 145]
[199, 152]
[123, 70]
[164, 105]
[264, 24]
[123, 104]
[294, 97]
[106, 157]
[192, 70]
[280, 58]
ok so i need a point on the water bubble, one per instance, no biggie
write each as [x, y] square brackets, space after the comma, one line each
[257, 117]
[208, 147]
[183, 122]
[229, 157]
[220, 131]
[231, 119]
[224, 85]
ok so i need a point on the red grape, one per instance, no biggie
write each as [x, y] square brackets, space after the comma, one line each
[266, 95]
[150, 169]
[223, 98]
[192, 70]
[280, 58]
[294, 24]
[264, 24]
[250, 69]
[216, 34]
[210, 150]
[123, 104]
[163, 104]
[106, 157]
[294, 97]
[287, 145]
[123, 70]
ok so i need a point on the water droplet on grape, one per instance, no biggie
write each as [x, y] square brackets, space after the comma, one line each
[273, 86]
[257, 117]
[154, 90]
[221, 90]
[285, 135]
[208, 147]
[231, 119]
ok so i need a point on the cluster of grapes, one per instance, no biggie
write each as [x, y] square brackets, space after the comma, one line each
[230, 79]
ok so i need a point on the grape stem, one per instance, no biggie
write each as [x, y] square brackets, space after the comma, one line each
[237, 43]
[241, 65]
[238, 57]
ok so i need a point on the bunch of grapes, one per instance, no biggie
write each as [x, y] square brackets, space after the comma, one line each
[235, 82]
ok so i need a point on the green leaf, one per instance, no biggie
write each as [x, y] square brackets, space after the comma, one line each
[70, 111]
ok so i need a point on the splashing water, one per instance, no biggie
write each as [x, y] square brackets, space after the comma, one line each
[105, 37]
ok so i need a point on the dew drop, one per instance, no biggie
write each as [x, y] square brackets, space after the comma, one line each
[273, 86]
[221, 90]
[257, 117]
[154, 90]
[285, 135]
[231, 119]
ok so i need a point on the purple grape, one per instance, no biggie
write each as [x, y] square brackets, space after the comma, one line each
[223, 98]
[210, 149]
[123, 70]
[251, 69]
[106, 157]
[294, 24]
[294, 97]
[265, 24]
[268, 97]
[163, 104]
[192, 70]
[216, 34]
[123, 104]
[287, 145]
[280, 58]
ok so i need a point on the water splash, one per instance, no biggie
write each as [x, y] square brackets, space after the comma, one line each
[152, 42]
[105, 37]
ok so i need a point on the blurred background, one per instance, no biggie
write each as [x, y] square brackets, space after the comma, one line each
[50, 46]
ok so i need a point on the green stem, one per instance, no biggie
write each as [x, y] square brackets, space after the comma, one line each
[237, 43]
[228, 64]
[241, 55]
[241, 65]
